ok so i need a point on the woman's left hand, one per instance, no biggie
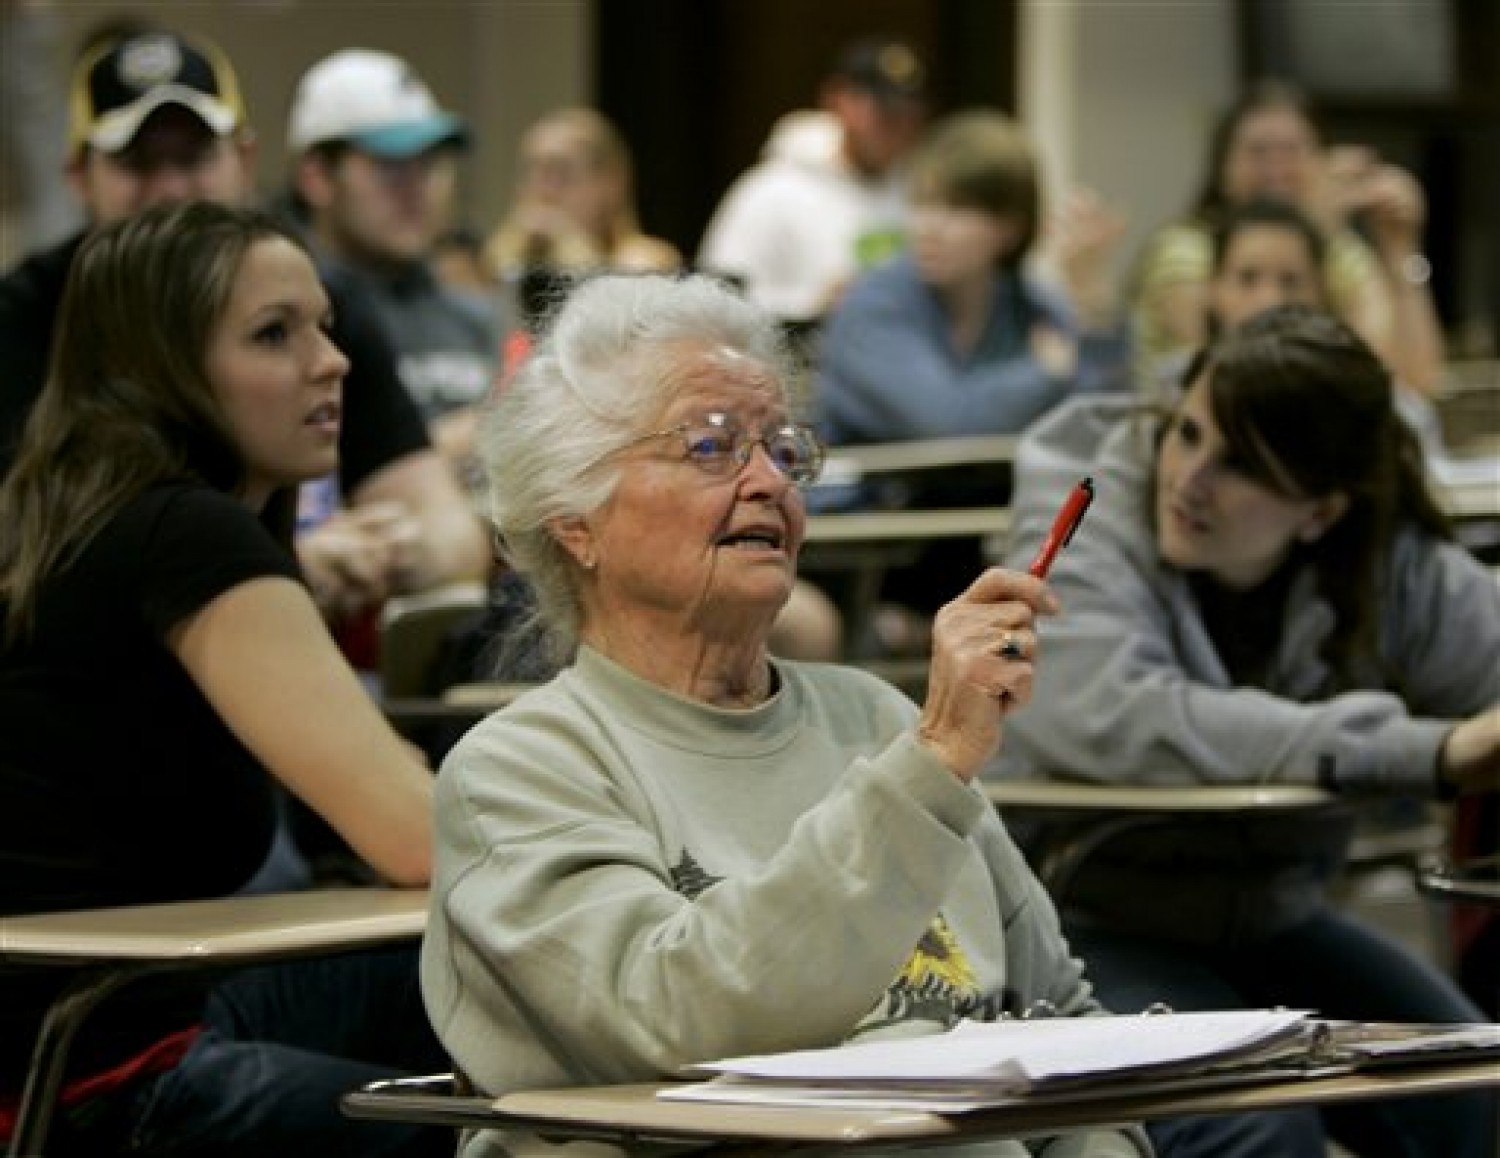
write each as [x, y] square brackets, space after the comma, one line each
[1470, 757]
[1396, 210]
[984, 647]
[1086, 234]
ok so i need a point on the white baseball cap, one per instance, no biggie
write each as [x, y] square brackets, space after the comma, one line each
[371, 100]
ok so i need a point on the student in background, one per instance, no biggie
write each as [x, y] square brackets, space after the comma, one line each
[1267, 146]
[1262, 254]
[374, 162]
[162, 666]
[829, 195]
[1265, 591]
[954, 337]
[158, 118]
[574, 208]
[680, 847]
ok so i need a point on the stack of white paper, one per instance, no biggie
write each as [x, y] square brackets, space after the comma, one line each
[979, 1063]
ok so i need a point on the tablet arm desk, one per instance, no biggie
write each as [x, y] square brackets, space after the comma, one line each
[1109, 811]
[110, 948]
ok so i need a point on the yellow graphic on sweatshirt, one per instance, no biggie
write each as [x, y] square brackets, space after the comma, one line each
[938, 960]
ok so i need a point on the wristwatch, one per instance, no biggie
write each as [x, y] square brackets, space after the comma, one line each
[1415, 269]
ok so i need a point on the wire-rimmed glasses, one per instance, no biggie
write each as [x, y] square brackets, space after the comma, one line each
[720, 445]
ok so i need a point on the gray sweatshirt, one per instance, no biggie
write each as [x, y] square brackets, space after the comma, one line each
[628, 881]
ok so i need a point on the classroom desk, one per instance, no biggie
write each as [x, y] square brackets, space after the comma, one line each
[1479, 499]
[632, 1114]
[107, 949]
[902, 527]
[921, 454]
[1475, 882]
[1106, 811]
[862, 546]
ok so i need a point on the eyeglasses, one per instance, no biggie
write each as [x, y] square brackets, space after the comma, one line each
[719, 444]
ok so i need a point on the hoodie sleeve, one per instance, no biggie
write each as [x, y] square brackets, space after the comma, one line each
[1131, 690]
[889, 370]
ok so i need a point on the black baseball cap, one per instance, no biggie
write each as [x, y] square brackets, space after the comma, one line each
[120, 83]
[889, 69]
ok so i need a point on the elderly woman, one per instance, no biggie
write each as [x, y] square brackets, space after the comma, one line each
[680, 848]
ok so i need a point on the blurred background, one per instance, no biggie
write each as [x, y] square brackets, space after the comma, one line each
[1120, 94]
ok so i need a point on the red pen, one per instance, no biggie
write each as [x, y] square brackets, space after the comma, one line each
[1063, 527]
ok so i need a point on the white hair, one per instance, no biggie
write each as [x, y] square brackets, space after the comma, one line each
[597, 379]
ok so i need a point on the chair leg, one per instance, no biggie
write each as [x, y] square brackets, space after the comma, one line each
[49, 1057]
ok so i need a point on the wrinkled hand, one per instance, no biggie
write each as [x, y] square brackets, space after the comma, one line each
[970, 684]
[1470, 756]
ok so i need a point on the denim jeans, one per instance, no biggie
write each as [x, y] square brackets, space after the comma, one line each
[280, 1044]
[1335, 967]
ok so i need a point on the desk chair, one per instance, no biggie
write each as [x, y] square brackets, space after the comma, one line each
[633, 1114]
[1466, 901]
[413, 630]
[1109, 811]
[1098, 814]
[1468, 408]
[1475, 881]
[108, 949]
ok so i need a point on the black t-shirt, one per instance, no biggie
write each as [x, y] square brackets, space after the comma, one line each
[381, 423]
[119, 783]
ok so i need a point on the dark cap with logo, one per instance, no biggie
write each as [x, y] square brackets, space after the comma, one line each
[889, 69]
[121, 82]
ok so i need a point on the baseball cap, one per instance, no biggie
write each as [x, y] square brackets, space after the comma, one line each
[122, 82]
[372, 100]
[890, 69]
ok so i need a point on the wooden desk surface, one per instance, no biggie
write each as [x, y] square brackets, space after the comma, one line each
[1117, 798]
[229, 928]
[921, 454]
[1470, 500]
[915, 525]
[634, 1112]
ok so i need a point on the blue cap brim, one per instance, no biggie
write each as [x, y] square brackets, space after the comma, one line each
[398, 141]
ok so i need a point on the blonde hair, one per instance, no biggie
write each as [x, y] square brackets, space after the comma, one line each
[596, 245]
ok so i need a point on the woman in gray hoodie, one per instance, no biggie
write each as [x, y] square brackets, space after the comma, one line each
[1265, 592]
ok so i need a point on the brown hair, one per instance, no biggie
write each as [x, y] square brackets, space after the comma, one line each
[982, 160]
[1262, 96]
[1263, 214]
[1307, 409]
[127, 402]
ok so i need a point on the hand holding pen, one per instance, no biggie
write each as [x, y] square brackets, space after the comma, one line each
[971, 672]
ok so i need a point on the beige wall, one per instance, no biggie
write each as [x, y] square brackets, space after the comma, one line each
[1122, 95]
[500, 62]
[1119, 94]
